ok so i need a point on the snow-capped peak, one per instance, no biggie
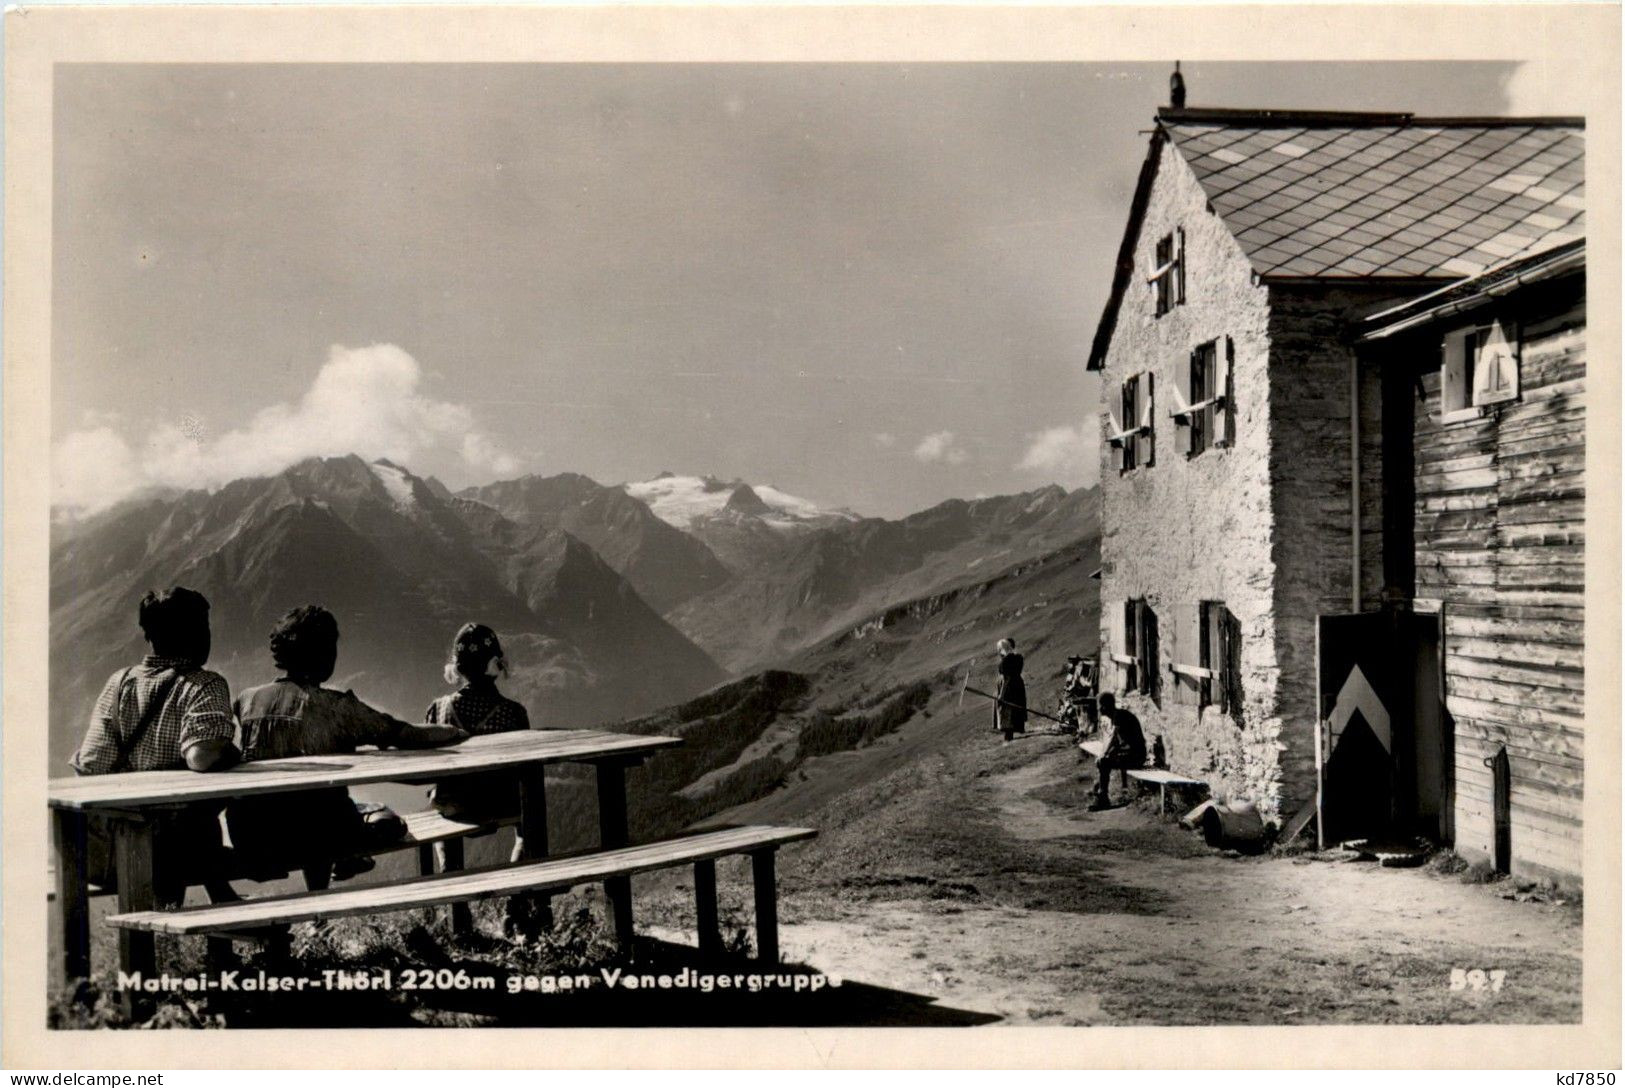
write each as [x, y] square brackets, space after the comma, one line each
[396, 480]
[680, 500]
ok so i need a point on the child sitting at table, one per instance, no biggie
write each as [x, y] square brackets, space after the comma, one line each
[477, 707]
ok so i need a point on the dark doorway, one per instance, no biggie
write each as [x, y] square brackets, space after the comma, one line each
[1361, 791]
[1387, 743]
[1431, 747]
[1359, 797]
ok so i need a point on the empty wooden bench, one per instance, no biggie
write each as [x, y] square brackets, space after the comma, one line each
[252, 918]
[1164, 779]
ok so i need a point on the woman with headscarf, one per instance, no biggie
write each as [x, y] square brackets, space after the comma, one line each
[1010, 707]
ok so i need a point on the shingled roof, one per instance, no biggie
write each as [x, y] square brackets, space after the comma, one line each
[1323, 195]
[1370, 196]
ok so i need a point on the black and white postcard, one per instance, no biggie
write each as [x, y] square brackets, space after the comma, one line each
[845, 519]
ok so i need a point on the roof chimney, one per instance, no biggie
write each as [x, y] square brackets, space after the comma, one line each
[1176, 89]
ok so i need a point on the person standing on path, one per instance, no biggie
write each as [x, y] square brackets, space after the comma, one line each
[1010, 706]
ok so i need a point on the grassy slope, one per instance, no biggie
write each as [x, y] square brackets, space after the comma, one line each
[869, 700]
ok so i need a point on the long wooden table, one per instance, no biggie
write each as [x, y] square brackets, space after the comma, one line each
[133, 800]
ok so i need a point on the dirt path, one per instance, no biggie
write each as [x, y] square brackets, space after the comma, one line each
[981, 883]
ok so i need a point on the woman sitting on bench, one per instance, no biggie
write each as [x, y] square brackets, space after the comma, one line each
[295, 716]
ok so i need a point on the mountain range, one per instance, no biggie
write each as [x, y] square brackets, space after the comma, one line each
[612, 601]
[399, 561]
[831, 577]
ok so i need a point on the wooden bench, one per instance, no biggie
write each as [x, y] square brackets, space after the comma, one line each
[1096, 749]
[133, 803]
[254, 918]
[423, 830]
[1163, 780]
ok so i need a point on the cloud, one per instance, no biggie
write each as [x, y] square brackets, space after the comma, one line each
[885, 440]
[480, 452]
[1065, 452]
[92, 469]
[1542, 88]
[367, 401]
[92, 418]
[940, 448]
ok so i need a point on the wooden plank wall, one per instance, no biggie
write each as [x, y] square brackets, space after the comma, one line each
[1500, 538]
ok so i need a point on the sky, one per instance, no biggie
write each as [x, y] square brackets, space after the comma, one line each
[872, 286]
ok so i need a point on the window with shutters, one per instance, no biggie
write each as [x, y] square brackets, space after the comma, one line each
[1131, 411]
[1167, 277]
[1139, 649]
[1219, 659]
[1132, 422]
[1204, 402]
[1479, 368]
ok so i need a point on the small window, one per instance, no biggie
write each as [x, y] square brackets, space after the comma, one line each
[1456, 374]
[1139, 656]
[1220, 659]
[1479, 368]
[1132, 421]
[1204, 382]
[1205, 412]
[1168, 273]
[1131, 411]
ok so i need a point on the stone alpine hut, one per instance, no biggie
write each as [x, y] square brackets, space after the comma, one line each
[1342, 510]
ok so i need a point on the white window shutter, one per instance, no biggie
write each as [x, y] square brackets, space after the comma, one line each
[1148, 419]
[1114, 427]
[1453, 375]
[1215, 654]
[1182, 383]
[1190, 651]
[1483, 370]
[1174, 651]
[1495, 378]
